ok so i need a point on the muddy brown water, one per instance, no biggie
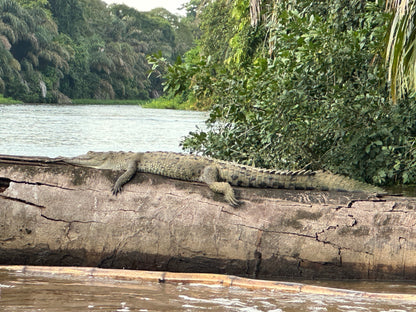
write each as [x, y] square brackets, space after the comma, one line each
[23, 293]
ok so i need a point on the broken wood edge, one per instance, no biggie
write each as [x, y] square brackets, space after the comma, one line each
[199, 278]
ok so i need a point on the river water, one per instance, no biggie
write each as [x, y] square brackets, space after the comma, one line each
[70, 130]
[22, 293]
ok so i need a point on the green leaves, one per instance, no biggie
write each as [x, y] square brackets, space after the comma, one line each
[33, 54]
[84, 48]
[310, 94]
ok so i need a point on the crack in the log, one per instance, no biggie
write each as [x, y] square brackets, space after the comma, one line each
[10, 239]
[375, 200]
[229, 212]
[66, 221]
[315, 237]
[69, 223]
[274, 231]
[340, 248]
[126, 210]
[42, 184]
[395, 208]
[22, 201]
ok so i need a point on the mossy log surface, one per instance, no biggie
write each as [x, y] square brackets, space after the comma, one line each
[58, 214]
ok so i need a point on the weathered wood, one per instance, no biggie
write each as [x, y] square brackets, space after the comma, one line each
[58, 214]
[198, 278]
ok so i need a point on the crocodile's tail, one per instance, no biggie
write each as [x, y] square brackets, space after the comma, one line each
[247, 176]
[324, 180]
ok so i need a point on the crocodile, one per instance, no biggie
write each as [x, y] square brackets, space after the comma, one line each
[219, 175]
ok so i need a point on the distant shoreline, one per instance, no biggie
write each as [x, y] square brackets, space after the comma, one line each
[160, 103]
[4, 100]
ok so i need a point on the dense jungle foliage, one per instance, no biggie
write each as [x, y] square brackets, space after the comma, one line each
[298, 84]
[54, 49]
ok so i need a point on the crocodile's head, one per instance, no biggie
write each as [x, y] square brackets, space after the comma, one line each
[103, 160]
[95, 159]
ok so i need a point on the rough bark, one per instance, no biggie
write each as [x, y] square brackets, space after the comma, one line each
[58, 214]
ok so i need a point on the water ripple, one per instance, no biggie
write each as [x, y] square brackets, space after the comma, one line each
[70, 130]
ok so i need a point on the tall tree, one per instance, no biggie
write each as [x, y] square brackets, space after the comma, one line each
[69, 15]
[83, 48]
[31, 37]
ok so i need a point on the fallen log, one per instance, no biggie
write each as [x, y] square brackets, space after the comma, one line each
[57, 214]
[198, 278]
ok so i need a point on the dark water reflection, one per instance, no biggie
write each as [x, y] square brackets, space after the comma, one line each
[402, 190]
[30, 293]
[70, 130]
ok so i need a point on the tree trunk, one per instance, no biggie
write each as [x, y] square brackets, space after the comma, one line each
[59, 214]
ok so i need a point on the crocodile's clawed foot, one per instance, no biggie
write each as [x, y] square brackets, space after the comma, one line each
[230, 198]
[226, 189]
[116, 189]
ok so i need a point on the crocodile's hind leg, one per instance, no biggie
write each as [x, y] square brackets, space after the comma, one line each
[125, 177]
[210, 177]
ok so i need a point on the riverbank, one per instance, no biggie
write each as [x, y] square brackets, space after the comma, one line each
[4, 100]
[160, 103]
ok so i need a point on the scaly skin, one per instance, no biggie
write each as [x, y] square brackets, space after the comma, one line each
[218, 175]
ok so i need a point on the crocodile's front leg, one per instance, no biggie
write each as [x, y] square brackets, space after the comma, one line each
[210, 177]
[125, 177]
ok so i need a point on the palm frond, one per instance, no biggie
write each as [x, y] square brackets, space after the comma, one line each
[255, 12]
[401, 49]
[5, 42]
[7, 31]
